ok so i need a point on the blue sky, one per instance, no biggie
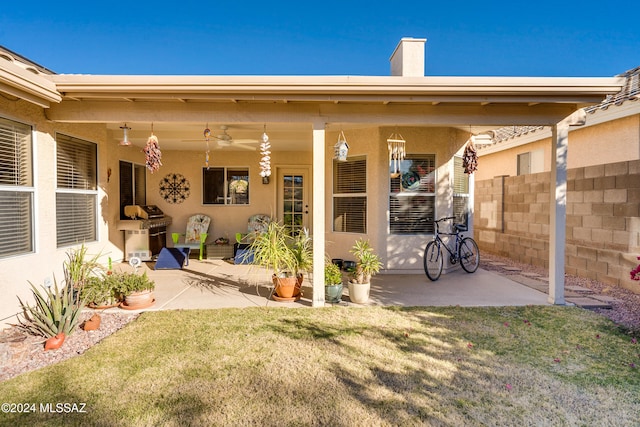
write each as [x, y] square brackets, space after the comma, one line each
[542, 38]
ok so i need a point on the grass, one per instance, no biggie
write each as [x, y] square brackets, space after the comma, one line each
[341, 367]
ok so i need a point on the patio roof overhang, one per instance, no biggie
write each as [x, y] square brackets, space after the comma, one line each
[336, 101]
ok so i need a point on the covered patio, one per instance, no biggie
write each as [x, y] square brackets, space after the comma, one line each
[304, 116]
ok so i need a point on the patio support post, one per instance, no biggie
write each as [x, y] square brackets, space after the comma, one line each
[557, 212]
[318, 212]
[558, 204]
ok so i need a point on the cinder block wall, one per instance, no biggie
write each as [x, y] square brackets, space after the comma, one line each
[603, 220]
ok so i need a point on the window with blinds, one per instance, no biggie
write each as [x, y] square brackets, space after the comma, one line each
[76, 193]
[350, 195]
[412, 195]
[16, 188]
[460, 192]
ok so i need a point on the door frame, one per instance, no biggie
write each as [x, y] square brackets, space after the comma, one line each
[307, 189]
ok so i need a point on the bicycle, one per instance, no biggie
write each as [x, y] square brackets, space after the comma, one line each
[465, 250]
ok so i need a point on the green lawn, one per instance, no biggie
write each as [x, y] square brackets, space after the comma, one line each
[346, 367]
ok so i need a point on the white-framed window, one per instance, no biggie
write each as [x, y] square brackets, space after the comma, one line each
[412, 195]
[460, 192]
[16, 188]
[76, 191]
[350, 195]
[531, 162]
[225, 186]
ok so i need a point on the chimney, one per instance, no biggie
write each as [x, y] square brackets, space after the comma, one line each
[407, 59]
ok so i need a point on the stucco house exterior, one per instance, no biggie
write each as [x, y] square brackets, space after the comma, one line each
[66, 175]
[603, 191]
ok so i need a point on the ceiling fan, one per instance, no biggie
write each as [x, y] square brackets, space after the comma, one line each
[226, 140]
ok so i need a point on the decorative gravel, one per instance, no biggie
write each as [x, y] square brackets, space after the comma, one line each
[22, 353]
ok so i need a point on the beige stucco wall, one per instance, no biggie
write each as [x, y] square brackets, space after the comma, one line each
[46, 262]
[398, 253]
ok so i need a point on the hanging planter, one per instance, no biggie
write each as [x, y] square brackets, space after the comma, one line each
[341, 149]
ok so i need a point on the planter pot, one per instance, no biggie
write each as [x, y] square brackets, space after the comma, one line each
[54, 343]
[93, 323]
[138, 300]
[359, 292]
[333, 293]
[286, 286]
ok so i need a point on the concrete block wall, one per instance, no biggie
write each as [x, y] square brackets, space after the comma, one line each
[603, 220]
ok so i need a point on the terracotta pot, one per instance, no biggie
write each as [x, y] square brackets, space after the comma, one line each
[286, 286]
[54, 343]
[140, 299]
[93, 323]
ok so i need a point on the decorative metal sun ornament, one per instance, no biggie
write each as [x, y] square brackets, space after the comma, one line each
[265, 160]
[174, 188]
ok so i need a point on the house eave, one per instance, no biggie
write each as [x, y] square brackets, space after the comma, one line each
[25, 84]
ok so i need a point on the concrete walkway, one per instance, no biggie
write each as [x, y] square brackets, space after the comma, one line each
[211, 284]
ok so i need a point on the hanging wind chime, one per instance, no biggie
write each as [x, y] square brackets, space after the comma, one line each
[207, 135]
[396, 146]
[265, 160]
[152, 153]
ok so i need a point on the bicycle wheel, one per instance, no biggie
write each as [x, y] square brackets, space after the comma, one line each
[469, 255]
[433, 261]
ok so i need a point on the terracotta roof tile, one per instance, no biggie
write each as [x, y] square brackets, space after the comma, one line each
[630, 92]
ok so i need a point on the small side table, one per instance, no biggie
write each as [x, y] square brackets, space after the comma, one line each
[219, 251]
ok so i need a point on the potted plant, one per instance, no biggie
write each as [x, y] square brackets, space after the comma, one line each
[332, 282]
[367, 265]
[101, 292]
[271, 250]
[135, 289]
[302, 249]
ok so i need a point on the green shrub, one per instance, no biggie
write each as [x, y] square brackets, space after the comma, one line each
[100, 290]
[332, 274]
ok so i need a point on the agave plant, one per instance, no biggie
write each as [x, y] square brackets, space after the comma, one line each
[56, 310]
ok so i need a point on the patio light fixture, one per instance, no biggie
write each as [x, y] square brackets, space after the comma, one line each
[396, 146]
[125, 138]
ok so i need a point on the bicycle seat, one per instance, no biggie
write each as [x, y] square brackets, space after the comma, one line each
[460, 227]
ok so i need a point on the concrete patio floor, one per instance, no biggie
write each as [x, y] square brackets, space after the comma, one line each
[211, 284]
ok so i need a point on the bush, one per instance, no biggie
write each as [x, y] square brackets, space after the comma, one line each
[332, 274]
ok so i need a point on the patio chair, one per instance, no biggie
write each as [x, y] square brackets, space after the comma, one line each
[195, 236]
[257, 223]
